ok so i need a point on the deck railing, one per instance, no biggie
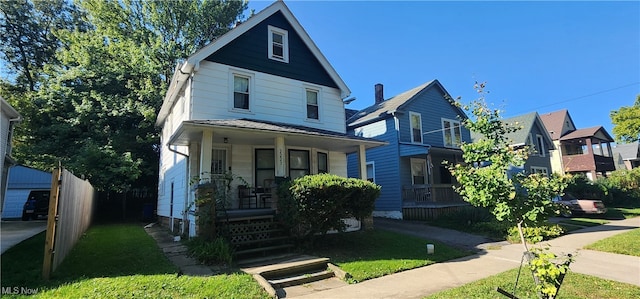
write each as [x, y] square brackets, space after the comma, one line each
[431, 193]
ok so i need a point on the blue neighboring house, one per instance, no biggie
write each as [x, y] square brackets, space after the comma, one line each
[423, 129]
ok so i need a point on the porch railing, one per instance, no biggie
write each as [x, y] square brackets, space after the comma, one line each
[431, 193]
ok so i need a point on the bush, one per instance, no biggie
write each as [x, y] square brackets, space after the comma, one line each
[535, 234]
[315, 204]
[216, 251]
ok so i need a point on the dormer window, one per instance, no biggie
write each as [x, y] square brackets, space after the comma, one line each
[278, 44]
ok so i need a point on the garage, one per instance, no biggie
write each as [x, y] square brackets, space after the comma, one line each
[21, 181]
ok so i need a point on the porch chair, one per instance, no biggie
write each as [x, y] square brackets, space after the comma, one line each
[267, 194]
[248, 194]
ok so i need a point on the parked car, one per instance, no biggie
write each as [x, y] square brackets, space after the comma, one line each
[37, 205]
[570, 205]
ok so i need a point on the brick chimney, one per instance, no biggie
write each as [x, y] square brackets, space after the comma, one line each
[379, 93]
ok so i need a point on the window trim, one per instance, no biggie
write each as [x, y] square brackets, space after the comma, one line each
[539, 169]
[306, 102]
[232, 75]
[309, 157]
[540, 145]
[285, 43]
[455, 124]
[317, 161]
[411, 114]
[424, 168]
[373, 171]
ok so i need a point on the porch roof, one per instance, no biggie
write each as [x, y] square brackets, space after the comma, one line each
[254, 132]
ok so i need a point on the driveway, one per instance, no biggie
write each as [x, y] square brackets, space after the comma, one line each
[14, 232]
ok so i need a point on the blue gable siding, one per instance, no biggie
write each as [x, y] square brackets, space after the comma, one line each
[386, 159]
[433, 107]
[250, 51]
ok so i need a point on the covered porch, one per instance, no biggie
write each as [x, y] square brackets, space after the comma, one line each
[430, 183]
[247, 158]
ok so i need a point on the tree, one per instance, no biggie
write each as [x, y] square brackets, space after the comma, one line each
[28, 27]
[485, 180]
[626, 123]
[96, 105]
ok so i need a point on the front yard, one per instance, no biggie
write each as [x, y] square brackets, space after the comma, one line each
[115, 261]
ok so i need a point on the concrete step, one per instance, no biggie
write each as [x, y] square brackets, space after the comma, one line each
[294, 268]
[301, 278]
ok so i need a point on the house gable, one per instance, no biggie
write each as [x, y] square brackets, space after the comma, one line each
[250, 51]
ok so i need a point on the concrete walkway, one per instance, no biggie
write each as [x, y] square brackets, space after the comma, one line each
[492, 258]
[14, 232]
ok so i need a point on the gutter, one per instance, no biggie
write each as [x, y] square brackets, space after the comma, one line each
[180, 77]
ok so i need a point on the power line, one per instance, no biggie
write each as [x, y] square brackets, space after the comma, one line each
[580, 97]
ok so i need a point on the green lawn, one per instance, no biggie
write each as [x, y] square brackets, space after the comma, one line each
[116, 261]
[575, 286]
[625, 243]
[375, 253]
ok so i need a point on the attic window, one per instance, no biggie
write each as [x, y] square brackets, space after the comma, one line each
[278, 44]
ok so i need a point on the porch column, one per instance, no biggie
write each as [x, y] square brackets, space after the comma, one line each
[281, 170]
[362, 161]
[205, 155]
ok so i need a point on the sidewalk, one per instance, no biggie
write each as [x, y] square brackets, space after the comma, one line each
[420, 282]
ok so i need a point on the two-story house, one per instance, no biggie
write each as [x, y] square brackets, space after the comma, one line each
[531, 133]
[578, 151]
[423, 129]
[261, 102]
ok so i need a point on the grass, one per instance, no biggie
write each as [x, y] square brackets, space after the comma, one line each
[575, 286]
[116, 261]
[622, 212]
[625, 243]
[375, 253]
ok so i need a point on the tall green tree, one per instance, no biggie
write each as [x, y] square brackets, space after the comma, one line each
[27, 29]
[96, 106]
[626, 122]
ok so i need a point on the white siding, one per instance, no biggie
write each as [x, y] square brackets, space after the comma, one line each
[273, 98]
[372, 130]
[338, 163]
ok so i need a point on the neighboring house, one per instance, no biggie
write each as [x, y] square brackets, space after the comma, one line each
[533, 134]
[423, 129]
[8, 118]
[260, 102]
[578, 151]
[23, 180]
[627, 156]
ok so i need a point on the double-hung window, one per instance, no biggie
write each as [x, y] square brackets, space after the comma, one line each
[278, 44]
[241, 92]
[416, 127]
[312, 104]
[452, 133]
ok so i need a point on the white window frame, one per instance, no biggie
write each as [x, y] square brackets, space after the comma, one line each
[372, 178]
[411, 115]
[306, 103]
[454, 125]
[285, 44]
[540, 145]
[424, 168]
[537, 169]
[251, 77]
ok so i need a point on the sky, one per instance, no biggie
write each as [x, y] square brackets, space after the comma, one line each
[533, 56]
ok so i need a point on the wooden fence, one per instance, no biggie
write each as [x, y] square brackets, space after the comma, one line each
[70, 211]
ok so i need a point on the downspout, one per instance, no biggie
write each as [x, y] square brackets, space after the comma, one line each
[186, 191]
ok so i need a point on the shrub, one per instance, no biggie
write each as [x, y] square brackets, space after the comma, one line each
[535, 234]
[315, 204]
[210, 252]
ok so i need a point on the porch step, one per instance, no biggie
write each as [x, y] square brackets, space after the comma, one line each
[265, 240]
[301, 278]
[263, 250]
